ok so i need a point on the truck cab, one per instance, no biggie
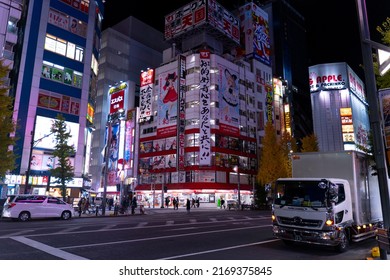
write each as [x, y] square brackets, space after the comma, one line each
[312, 210]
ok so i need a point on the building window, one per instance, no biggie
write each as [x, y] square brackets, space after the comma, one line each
[12, 25]
[64, 48]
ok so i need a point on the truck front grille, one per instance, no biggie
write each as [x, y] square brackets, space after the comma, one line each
[298, 221]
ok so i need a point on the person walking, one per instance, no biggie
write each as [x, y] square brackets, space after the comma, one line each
[80, 205]
[188, 205]
[197, 202]
[193, 202]
[133, 204]
[174, 203]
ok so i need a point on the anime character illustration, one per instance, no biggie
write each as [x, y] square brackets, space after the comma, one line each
[50, 163]
[261, 41]
[171, 96]
[46, 72]
[229, 103]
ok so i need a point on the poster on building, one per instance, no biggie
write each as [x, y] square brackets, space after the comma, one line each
[361, 123]
[384, 98]
[113, 153]
[261, 36]
[167, 101]
[228, 100]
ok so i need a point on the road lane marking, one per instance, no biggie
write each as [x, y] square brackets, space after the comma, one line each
[187, 228]
[124, 228]
[220, 249]
[22, 232]
[160, 237]
[47, 249]
[141, 224]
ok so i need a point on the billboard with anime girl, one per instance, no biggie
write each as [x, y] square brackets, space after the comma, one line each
[228, 100]
[167, 109]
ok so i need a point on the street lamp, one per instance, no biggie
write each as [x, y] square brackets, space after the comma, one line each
[238, 185]
[32, 145]
[162, 189]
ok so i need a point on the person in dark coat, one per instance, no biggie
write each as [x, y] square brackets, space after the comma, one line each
[188, 205]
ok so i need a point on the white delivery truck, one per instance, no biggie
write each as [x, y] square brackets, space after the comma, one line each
[332, 199]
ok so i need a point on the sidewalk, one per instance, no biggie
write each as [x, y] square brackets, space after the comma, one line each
[151, 210]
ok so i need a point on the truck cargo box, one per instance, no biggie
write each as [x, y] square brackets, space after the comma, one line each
[350, 165]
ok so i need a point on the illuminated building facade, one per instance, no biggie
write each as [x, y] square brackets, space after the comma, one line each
[203, 112]
[340, 108]
[59, 59]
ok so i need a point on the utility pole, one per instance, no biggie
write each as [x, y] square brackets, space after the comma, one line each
[372, 99]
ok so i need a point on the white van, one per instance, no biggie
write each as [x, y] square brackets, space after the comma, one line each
[31, 206]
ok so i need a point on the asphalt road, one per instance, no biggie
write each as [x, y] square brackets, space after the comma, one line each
[161, 234]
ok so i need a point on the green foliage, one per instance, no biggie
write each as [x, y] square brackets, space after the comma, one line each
[288, 145]
[64, 171]
[7, 126]
[384, 30]
[309, 143]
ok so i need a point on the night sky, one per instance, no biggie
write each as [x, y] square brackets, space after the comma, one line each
[332, 25]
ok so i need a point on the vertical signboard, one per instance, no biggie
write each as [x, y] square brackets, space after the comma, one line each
[129, 138]
[205, 127]
[146, 93]
[182, 113]
[113, 153]
[347, 125]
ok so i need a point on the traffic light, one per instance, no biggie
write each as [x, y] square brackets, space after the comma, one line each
[165, 189]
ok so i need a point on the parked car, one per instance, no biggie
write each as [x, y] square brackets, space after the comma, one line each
[231, 204]
[31, 206]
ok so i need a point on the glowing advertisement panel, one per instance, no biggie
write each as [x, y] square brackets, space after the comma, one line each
[184, 19]
[182, 114]
[113, 154]
[328, 77]
[223, 20]
[205, 115]
[44, 139]
[261, 38]
[361, 123]
[228, 101]
[384, 98]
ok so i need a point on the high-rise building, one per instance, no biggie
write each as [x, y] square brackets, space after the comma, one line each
[11, 12]
[125, 52]
[290, 63]
[203, 115]
[57, 74]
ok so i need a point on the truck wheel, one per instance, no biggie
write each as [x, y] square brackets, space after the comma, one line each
[344, 242]
[288, 242]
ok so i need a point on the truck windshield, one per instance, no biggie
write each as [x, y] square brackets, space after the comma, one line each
[299, 193]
